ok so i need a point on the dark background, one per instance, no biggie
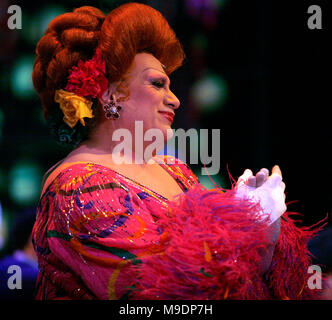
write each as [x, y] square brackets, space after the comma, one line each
[275, 109]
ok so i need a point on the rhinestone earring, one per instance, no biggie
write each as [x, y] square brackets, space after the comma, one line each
[112, 110]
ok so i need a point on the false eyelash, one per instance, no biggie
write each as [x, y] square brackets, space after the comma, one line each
[158, 83]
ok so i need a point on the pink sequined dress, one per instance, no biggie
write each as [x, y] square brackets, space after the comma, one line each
[90, 222]
[95, 229]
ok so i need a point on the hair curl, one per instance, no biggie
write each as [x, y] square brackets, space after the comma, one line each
[127, 30]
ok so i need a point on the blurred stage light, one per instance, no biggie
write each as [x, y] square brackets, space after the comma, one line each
[204, 10]
[199, 5]
[206, 182]
[24, 182]
[209, 93]
[36, 25]
[21, 81]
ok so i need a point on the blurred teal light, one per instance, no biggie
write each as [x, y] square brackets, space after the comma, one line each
[21, 81]
[206, 182]
[24, 183]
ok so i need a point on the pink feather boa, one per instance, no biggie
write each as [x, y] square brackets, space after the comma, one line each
[213, 252]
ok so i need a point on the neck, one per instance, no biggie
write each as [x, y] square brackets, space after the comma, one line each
[124, 146]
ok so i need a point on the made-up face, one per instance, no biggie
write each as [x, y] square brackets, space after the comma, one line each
[150, 98]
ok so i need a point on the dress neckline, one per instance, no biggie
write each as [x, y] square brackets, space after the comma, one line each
[59, 165]
[139, 184]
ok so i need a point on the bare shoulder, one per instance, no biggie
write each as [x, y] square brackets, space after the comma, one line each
[80, 154]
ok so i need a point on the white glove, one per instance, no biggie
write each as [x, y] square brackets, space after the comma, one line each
[270, 194]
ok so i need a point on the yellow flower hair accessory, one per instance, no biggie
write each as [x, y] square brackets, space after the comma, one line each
[73, 107]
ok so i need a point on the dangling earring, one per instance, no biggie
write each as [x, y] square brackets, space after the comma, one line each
[112, 110]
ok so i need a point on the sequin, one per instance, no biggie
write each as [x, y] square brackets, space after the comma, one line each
[94, 227]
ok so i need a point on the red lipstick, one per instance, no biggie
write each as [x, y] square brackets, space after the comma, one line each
[168, 115]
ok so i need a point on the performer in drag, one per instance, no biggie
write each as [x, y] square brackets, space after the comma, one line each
[117, 225]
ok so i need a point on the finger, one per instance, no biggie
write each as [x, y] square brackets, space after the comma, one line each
[276, 170]
[251, 182]
[260, 178]
[245, 176]
[247, 173]
[274, 180]
[265, 171]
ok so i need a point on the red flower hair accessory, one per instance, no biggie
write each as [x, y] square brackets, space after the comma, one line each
[88, 78]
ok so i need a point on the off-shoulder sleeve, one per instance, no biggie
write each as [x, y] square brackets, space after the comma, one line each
[89, 231]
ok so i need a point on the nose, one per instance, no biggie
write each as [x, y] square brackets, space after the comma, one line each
[171, 100]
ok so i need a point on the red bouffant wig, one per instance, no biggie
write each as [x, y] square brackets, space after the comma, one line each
[127, 30]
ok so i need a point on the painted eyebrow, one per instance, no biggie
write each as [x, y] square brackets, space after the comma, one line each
[162, 71]
[159, 71]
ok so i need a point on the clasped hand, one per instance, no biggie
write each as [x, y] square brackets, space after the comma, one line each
[269, 192]
[265, 189]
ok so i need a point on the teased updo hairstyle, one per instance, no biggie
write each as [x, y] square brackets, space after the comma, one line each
[127, 30]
